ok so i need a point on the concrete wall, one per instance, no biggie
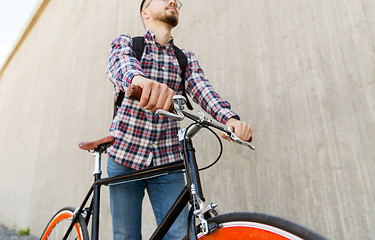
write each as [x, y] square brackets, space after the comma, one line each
[301, 72]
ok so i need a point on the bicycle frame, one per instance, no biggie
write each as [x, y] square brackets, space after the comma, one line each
[191, 191]
[231, 224]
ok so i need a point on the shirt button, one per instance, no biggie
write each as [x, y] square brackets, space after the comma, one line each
[158, 125]
[162, 68]
[154, 144]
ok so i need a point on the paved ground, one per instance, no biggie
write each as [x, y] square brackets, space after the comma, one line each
[8, 234]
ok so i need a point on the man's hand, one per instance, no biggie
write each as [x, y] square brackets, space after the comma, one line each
[155, 95]
[241, 129]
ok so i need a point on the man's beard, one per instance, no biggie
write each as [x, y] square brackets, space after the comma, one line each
[171, 20]
[168, 19]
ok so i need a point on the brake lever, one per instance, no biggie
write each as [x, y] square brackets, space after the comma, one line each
[237, 139]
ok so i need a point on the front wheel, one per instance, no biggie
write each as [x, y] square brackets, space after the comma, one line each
[60, 223]
[256, 226]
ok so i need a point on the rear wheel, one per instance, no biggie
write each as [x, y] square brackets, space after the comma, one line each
[60, 223]
[256, 226]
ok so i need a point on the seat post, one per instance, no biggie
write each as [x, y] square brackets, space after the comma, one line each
[98, 167]
[96, 148]
[96, 204]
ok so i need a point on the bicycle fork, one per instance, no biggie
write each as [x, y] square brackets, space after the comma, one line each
[198, 207]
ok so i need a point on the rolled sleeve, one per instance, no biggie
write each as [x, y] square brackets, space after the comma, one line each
[122, 64]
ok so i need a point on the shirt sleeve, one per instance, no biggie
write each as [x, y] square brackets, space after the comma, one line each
[203, 93]
[122, 64]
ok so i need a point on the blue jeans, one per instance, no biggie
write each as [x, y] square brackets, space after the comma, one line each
[126, 203]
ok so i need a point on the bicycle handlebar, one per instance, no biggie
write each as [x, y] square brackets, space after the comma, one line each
[176, 112]
[224, 128]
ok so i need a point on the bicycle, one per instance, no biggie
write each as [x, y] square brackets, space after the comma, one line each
[70, 223]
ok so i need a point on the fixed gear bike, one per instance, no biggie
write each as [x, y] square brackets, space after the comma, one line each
[71, 223]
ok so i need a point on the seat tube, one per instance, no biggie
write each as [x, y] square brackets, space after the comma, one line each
[96, 199]
[192, 172]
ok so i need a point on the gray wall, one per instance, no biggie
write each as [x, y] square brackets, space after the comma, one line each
[302, 73]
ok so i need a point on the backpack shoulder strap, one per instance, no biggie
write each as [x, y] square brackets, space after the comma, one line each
[183, 62]
[138, 47]
[181, 58]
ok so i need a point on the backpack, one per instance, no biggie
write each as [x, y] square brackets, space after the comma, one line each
[138, 48]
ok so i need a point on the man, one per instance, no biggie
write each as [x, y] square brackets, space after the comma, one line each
[144, 139]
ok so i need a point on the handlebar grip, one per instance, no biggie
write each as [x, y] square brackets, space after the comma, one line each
[135, 92]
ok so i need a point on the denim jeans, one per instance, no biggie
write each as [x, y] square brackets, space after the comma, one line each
[126, 203]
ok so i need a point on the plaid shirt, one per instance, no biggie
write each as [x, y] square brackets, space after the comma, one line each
[141, 137]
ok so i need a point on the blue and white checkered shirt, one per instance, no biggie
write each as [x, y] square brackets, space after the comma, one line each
[140, 135]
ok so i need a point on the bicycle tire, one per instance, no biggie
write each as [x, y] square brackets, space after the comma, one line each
[60, 223]
[256, 226]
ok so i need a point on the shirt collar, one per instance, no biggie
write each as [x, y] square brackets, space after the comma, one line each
[150, 37]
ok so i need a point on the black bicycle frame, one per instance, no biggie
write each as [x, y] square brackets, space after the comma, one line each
[192, 178]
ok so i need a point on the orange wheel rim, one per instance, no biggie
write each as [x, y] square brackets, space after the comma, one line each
[254, 232]
[55, 221]
[242, 233]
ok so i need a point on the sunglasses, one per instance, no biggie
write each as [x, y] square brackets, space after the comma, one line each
[177, 2]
